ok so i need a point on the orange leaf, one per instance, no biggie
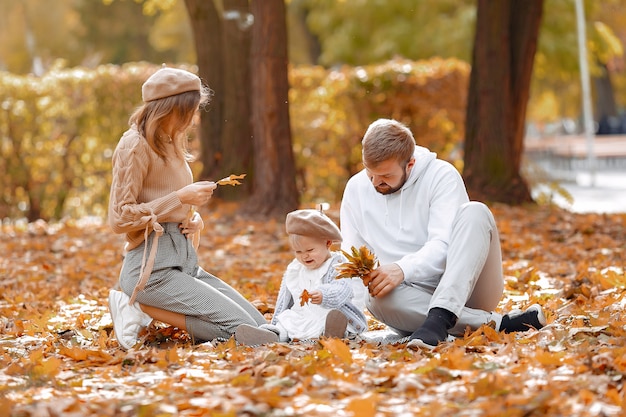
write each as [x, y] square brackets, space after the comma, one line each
[338, 348]
[363, 406]
[360, 263]
[231, 180]
[304, 297]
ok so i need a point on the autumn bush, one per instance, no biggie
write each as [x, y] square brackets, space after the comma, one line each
[58, 131]
[330, 110]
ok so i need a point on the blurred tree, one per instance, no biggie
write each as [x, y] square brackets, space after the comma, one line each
[118, 32]
[275, 192]
[83, 32]
[222, 41]
[170, 33]
[304, 47]
[33, 35]
[225, 60]
[555, 91]
[359, 32]
[504, 49]
[606, 50]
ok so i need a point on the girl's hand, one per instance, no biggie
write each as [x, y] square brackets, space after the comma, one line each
[315, 297]
[197, 194]
[192, 225]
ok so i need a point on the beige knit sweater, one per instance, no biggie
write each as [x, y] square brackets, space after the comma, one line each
[143, 189]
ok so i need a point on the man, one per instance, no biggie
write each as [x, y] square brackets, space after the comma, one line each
[440, 259]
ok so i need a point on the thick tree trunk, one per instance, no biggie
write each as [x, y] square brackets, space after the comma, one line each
[206, 25]
[236, 142]
[504, 49]
[275, 192]
[222, 39]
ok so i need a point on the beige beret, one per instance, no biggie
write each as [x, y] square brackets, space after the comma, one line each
[312, 223]
[168, 82]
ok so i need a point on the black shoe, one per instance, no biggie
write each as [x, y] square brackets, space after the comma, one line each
[521, 321]
[434, 330]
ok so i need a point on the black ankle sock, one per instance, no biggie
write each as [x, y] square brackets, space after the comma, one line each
[435, 327]
[521, 323]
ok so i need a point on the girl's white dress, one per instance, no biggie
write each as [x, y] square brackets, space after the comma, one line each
[308, 321]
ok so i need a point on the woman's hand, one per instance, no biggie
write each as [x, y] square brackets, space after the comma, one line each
[192, 225]
[197, 194]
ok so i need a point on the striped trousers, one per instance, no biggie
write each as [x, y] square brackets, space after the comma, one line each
[212, 308]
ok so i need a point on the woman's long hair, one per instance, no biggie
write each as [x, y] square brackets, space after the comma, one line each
[167, 120]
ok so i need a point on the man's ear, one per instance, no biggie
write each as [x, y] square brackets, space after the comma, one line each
[410, 164]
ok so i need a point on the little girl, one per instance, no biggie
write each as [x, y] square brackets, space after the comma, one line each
[311, 301]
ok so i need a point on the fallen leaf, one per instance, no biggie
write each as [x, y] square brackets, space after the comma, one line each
[363, 406]
[231, 180]
[304, 297]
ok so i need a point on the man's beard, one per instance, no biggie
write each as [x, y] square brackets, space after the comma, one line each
[385, 189]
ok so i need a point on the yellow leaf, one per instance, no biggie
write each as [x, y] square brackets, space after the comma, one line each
[549, 358]
[360, 263]
[231, 180]
[363, 406]
[338, 349]
[47, 368]
[75, 353]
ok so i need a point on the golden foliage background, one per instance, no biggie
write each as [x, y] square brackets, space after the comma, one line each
[59, 130]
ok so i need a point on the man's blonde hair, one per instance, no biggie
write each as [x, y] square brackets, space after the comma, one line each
[387, 139]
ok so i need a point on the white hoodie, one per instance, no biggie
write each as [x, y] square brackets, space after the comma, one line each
[410, 227]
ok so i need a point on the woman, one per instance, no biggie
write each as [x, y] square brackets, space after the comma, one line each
[151, 200]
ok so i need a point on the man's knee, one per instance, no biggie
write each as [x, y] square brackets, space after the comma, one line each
[475, 211]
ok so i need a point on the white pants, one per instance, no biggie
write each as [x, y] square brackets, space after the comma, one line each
[471, 286]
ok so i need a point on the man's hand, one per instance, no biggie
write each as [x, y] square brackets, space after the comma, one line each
[384, 279]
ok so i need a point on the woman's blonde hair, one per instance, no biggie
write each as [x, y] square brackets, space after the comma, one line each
[174, 113]
[387, 139]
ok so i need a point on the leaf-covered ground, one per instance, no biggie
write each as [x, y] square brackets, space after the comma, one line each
[59, 358]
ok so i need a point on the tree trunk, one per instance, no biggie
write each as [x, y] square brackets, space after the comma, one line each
[222, 39]
[236, 142]
[606, 108]
[504, 49]
[299, 11]
[206, 26]
[275, 192]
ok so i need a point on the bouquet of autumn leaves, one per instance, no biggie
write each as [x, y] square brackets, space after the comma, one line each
[360, 263]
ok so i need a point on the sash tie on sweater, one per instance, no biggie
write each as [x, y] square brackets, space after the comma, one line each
[147, 264]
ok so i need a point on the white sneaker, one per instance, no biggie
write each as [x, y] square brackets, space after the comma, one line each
[417, 344]
[128, 320]
[254, 336]
[279, 330]
[521, 321]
